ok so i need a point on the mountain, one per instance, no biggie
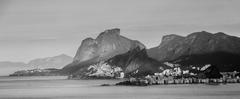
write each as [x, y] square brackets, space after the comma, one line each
[110, 54]
[108, 44]
[7, 67]
[57, 62]
[137, 63]
[199, 48]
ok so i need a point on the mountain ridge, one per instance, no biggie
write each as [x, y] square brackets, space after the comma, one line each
[59, 61]
[198, 48]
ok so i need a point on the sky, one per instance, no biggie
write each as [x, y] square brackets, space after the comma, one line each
[32, 29]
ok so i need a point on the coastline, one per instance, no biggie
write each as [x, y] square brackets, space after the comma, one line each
[147, 82]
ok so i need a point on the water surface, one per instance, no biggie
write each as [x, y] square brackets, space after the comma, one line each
[60, 88]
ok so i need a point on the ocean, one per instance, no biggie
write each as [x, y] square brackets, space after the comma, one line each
[61, 88]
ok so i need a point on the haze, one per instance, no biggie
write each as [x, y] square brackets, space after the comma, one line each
[32, 29]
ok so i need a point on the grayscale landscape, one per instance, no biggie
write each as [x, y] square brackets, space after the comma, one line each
[126, 49]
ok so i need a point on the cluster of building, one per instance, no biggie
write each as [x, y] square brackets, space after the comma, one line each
[177, 76]
[103, 69]
[160, 80]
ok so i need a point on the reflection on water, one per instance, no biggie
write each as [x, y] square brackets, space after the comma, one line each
[60, 88]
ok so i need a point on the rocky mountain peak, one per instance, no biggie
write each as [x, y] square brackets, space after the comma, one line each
[107, 44]
[221, 35]
[170, 38]
[197, 35]
[112, 31]
[88, 40]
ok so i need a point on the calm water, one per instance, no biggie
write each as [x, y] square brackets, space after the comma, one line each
[59, 88]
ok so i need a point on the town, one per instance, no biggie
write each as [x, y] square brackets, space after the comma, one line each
[205, 75]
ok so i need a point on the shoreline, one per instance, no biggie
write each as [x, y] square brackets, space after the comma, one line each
[145, 82]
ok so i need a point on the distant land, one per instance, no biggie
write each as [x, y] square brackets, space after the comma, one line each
[58, 62]
[110, 55]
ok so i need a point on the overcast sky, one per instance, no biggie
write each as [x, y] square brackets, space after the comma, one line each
[32, 29]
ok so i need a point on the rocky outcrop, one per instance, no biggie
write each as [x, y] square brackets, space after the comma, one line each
[199, 48]
[108, 44]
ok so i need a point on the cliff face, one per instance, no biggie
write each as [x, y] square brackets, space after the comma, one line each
[108, 44]
[198, 48]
